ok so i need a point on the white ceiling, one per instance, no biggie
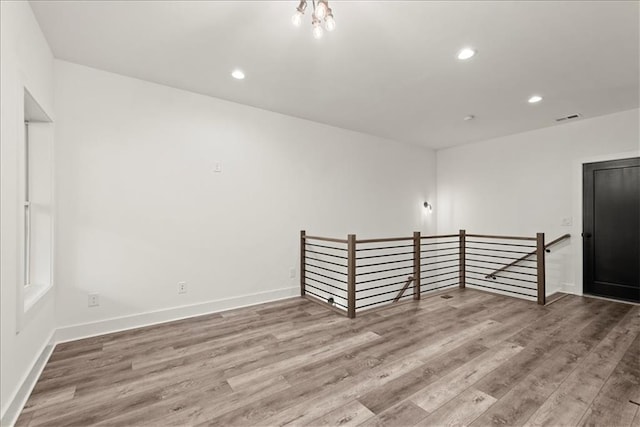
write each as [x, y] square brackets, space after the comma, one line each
[389, 68]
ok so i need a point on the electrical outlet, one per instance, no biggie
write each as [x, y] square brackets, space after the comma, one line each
[182, 287]
[94, 300]
[567, 222]
[292, 273]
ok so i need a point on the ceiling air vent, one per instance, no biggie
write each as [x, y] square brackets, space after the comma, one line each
[569, 117]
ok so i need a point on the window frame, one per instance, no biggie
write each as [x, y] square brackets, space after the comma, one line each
[31, 297]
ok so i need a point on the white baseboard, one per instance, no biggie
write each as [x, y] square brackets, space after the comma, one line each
[12, 411]
[571, 288]
[86, 330]
[74, 332]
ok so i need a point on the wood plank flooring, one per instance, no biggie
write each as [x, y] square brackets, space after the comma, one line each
[475, 359]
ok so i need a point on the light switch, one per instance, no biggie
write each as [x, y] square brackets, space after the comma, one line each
[217, 167]
[567, 222]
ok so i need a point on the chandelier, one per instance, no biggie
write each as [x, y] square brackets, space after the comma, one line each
[321, 14]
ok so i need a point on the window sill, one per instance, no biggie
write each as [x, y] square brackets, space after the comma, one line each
[33, 294]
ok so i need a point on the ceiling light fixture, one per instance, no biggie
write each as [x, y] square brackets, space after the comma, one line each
[534, 99]
[237, 74]
[466, 53]
[322, 13]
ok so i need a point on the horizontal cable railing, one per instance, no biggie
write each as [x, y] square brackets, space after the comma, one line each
[487, 254]
[384, 270]
[439, 262]
[351, 275]
[324, 265]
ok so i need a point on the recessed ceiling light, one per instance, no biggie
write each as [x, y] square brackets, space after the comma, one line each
[534, 99]
[466, 53]
[237, 74]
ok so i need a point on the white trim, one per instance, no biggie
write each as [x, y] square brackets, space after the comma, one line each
[14, 407]
[33, 294]
[20, 242]
[86, 330]
[34, 298]
[570, 288]
[577, 287]
[28, 297]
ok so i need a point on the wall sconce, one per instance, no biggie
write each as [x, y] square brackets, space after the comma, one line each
[427, 206]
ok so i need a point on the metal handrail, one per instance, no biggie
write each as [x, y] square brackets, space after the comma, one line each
[404, 288]
[524, 257]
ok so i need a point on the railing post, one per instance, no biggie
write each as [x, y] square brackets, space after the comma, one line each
[351, 276]
[542, 293]
[416, 265]
[462, 259]
[303, 254]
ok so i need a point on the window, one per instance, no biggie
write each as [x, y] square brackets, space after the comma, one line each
[27, 210]
[37, 203]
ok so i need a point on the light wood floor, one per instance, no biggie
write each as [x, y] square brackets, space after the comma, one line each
[475, 359]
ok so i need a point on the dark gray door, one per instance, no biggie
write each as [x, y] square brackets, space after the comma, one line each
[611, 229]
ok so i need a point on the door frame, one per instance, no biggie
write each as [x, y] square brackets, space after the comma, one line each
[577, 201]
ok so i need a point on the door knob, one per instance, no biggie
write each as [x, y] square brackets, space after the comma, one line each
[586, 235]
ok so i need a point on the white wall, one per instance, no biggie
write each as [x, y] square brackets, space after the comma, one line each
[140, 207]
[529, 182]
[26, 60]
